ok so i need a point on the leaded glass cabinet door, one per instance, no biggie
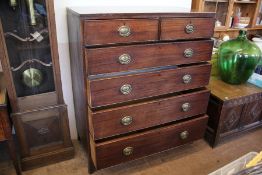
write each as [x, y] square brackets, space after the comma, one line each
[29, 56]
[27, 35]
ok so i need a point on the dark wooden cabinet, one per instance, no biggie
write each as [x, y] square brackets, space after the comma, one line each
[139, 82]
[29, 55]
[232, 109]
[6, 127]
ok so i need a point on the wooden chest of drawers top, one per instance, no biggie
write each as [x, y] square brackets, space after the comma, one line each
[101, 29]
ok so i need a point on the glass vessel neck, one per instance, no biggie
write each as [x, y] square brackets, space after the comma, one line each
[242, 34]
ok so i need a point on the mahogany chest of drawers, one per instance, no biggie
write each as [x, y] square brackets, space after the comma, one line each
[139, 82]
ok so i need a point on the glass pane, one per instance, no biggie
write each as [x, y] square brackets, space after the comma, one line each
[259, 16]
[26, 34]
[220, 7]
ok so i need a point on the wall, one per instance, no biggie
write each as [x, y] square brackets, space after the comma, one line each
[101, 5]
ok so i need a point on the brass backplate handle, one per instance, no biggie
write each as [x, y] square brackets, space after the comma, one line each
[188, 53]
[124, 59]
[124, 31]
[128, 151]
[127, 120]
[126, 89]
[186, 107]
[184, 135]
[187, 79]
[190, 28]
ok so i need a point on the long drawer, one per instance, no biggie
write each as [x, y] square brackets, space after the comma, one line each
[186, 28]
[124, 58]
[128, 148]
[129, 118]
[98, 32]
[114, 90]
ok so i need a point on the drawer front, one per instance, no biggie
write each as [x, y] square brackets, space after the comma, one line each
[126, 88]
[120, 31]
[128, 148]
[187, 28]
[116, 59]
[134, 117]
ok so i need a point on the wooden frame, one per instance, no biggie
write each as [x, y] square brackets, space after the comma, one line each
[41, 103]
[198, 6]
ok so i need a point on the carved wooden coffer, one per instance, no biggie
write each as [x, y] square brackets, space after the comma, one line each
[232, 110]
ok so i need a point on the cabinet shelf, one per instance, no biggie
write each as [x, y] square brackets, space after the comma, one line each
[215, 1]
[245, 2]
[225, 10]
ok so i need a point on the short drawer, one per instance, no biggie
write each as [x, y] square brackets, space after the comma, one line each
[122, 120]
[114, 90]
[187, 28]
[128, 148]
[124, 58]
[98, 32]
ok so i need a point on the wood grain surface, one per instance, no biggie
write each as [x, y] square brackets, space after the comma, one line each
[107, 123]
[106, 31]
[111, 152]
[107, 91]
[106, 60]
[174, 28]
[226, 92]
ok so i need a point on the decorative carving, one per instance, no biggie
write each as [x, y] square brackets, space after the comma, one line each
[254, 113]
[231, 119]
[243, 100]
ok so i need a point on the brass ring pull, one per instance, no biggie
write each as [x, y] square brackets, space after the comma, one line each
[124, 59]
[188, 53]
[127, 120]
[126, 89]
[187, 78]
[190, 28]
[184, 135]
[128, 151]
[186, 107]
[124, 31]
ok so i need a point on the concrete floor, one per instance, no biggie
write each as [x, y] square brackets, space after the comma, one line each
[193, 159]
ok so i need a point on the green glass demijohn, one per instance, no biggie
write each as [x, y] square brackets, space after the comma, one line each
[237, 59]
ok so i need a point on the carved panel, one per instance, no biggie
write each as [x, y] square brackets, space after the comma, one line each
[253, 113]
[230, 118]
[244, 100]
[42, 132]
[41, 129]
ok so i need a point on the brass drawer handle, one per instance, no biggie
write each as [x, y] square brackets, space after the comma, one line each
[186, 107]
[124, 59]
[128, 151]
[190, 28]
[127, 120]
[126, 89]
[188, 53]
[187, 78]
[124, 31]
[184, 135]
